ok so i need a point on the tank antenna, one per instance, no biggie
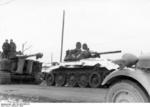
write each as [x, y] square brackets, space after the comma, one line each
[62, 35]
[51, 57]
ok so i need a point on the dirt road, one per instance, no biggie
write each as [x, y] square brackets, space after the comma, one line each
[55, 94]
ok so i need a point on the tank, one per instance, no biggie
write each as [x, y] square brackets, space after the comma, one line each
[20, 69]
[88, 72]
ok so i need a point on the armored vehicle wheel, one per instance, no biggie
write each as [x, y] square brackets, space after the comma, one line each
[126, 91]
[50, 79]
[60, 80]
[83, 81]
[72, 80]
[95, 80]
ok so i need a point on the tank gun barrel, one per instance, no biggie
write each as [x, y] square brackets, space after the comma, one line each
[110, 52]
[98, 54]
[37, 55]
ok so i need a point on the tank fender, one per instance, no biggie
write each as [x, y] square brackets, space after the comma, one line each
[142, 77]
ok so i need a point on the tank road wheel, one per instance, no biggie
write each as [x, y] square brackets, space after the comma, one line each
[95, 80]
[83, 81]
[126, 91]
[72, 80]
[50, 79]
[60, 80]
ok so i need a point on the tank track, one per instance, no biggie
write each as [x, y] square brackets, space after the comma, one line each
[77, 77]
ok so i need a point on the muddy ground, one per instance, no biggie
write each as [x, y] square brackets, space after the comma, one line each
[45, 94]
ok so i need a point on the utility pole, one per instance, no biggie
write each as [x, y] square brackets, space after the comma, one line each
[62, 35]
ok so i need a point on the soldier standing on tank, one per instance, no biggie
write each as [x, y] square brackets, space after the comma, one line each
[6, 49]
[12, 48]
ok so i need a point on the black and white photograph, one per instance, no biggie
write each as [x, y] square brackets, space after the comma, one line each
[74, 51]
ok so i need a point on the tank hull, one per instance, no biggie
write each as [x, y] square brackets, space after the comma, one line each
[83, 73]
[20, 71]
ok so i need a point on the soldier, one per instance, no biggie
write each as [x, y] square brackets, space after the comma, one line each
[12, 48]
[86, 52]
[72, 55]
[85, 47]
[68, 55]
[6, 49]
[77, 51]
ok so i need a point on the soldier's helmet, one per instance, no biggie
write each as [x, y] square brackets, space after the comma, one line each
[78, 45]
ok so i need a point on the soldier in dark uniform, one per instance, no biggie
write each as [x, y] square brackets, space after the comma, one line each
[6, 49]
[73, 55]
[12, 48]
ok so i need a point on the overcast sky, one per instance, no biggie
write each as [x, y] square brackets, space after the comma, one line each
[105, 25]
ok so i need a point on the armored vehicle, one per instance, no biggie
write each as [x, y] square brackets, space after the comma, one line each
[20, 69]
[87, 72]
[127, 79]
